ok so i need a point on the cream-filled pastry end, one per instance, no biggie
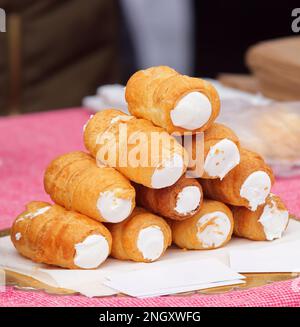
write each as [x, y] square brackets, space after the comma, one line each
[192, 111]
[150, 242]
[188, 200]
[274, 221]
[66, 238]
[256, 188]
[210, 228]
[112, 208]
[173, 101]
[75, 181]
[142, 237]
[168, 172]
[247, 185]
[221, 158]
[213, 229]
[91, 252]
[266, 223]
[155, 169]
[177, 202]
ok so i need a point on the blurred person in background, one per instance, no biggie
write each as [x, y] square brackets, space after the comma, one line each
[55, 52]
[162, 32]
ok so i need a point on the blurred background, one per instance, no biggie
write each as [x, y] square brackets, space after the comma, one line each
[55, 52]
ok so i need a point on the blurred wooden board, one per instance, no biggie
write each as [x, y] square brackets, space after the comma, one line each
[276, 65]
[247, 83]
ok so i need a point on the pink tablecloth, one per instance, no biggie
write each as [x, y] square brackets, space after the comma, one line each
[29, 142]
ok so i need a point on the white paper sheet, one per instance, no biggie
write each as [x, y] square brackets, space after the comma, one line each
[169, 278]
[90, 282]
[282, 257]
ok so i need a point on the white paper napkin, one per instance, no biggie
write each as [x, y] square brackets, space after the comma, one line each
[172, 277]
[91, 282]
[282, 257]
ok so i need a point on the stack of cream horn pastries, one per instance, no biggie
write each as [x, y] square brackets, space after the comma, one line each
[112, 201]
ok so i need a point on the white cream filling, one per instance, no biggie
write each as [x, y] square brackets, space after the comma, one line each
[192, 111]
[213, 229]
[169, 173]
[85, 125]
[112, 208]
[221, 158]
[256, 188]
[150, 242]
[274, 221]
[34, 214]
[18, 236]
[188, 200]
[121, 118]
[91, 252]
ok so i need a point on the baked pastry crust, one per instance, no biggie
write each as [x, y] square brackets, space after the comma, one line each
[152, 94]
[48, 233]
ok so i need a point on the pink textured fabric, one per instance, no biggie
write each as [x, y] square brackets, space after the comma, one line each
[29, 142]
[278, 294]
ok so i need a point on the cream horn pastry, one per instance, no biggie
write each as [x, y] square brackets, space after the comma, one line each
[268, 222]
[179, 201]
[50, 234]
[74, 181]
[210, 228]
[143, 153]
[248, 184]
[176, 102]
[143, 237]
[221, 151]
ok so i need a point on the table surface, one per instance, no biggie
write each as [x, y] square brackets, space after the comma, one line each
[29, 142]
